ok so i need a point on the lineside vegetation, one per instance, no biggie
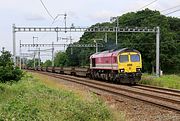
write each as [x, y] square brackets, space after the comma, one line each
[7, 71]
[30, 99]
[167, 81]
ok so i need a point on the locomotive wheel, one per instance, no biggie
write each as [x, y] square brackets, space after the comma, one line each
[93, 76]
[107, 77]
[133, 81]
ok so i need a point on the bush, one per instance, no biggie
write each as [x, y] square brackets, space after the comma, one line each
[7, 71]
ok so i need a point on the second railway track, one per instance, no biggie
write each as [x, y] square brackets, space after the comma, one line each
[171, 92]
[162, 97]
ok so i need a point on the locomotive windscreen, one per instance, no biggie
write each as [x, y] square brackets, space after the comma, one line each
[124, 58]
[135, 58]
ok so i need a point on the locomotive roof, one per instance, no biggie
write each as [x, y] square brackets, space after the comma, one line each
[114, 52]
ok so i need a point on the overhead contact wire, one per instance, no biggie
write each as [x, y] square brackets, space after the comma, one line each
[148, 4]
[46, 9]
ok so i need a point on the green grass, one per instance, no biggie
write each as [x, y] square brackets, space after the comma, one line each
[30, 99]
[167, 81]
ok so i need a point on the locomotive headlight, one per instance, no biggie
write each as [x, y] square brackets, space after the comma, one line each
[138, 69]
[122, 70]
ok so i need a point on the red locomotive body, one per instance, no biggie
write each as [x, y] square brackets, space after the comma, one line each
[104, 61]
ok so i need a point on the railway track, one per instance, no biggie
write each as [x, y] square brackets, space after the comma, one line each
[167, 98]
[171, 92]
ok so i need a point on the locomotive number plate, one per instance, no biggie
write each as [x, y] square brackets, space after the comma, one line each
[129, 64]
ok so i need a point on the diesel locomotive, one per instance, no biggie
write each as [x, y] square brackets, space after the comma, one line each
[122, 66]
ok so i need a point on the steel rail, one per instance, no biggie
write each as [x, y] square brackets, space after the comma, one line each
[160, 88]
[127, 91]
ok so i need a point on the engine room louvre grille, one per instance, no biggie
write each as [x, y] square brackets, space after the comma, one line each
[115, 60]
[105, 60]
[99, 60]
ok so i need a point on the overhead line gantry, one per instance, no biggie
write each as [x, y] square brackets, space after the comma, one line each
[155, 30]
[60, 45]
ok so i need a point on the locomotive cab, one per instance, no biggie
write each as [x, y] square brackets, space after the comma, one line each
[129, 66]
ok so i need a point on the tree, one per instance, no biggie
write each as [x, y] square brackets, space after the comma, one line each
[47, 63]
[7, 71]
[60, 59]
[30, 63]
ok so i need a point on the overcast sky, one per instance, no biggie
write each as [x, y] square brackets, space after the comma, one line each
[79, 12]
